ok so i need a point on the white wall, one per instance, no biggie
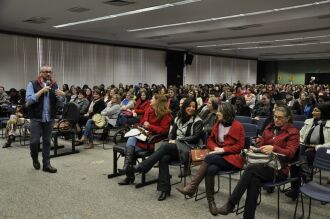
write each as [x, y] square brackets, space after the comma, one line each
[86, 63]
[212, 70]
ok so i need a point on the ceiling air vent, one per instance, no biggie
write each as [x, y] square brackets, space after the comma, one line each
[268, 54]
[78, 9]
[156, 37]
[201, 31]
[118, 2]
[244, 27]
[327, 16]
[37, 20]
[265, 44]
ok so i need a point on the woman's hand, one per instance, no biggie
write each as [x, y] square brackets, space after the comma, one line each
[267, 149]
[146, 125]
[171, 141]
[217, 150]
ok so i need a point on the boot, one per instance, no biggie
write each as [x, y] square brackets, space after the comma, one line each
[191, 188]
[9, 141]
[129, 157]
[90, 145]
[226, 208]
[128, 164]
[209, 186]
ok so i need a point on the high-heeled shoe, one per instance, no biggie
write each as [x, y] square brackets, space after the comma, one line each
[128, 180]
[163, 195]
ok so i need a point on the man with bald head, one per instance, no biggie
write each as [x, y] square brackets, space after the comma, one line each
[42, 99]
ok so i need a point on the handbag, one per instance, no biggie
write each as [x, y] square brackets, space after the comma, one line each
[256, 157]
[198, 154]
[139, 133]
[99, 120]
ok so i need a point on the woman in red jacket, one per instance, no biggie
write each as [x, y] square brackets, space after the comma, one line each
[139, 109]
[157, 120]
[279, 137]
[225, 142]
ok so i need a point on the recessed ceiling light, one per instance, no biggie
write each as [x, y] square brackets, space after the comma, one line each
[265, 41]
[142, 10]
[232, 16]
[275, 46]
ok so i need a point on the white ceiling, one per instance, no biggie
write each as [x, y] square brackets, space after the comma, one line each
[303, 23]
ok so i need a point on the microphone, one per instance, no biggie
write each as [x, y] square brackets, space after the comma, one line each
[48, 83]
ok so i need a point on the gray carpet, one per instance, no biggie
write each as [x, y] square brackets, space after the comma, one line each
[82, 190]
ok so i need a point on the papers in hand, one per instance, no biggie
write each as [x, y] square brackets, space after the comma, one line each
[136, 133]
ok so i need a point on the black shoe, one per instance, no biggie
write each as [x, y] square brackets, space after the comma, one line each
[270, 189]
[293, 194]
[6, 145]
[36, 164]
[49, 169]
[226, 208]
[127, 181]
[163, 195]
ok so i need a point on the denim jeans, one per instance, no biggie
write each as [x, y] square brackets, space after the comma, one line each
[89, 129]
[41, 129]
[131, 142]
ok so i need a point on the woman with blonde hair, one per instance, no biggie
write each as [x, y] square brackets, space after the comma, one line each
[157, 120]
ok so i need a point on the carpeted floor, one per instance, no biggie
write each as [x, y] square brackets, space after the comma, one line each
[81, 190]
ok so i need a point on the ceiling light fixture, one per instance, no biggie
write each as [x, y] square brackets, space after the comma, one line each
[268, 41]
[142, 10]
[267, 47]
[232, 16]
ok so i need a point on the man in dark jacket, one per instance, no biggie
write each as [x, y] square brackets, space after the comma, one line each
[42, 99]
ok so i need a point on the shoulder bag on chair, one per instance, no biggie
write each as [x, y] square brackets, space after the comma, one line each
[254, 157]
[198, 154]
[139, 133]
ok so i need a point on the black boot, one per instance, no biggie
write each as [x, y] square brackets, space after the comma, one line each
[128, 164]
[226, 208]
[129, 156]
[209, 186]
[9, 141]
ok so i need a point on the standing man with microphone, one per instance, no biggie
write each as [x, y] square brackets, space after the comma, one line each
[42, 99]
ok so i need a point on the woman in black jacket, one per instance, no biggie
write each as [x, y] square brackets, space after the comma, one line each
[185, 134]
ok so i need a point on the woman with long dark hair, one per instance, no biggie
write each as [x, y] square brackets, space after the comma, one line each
[185, 134]
[225, 142]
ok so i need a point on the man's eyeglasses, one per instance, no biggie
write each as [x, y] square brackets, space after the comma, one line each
[46, 71]
[279, 117]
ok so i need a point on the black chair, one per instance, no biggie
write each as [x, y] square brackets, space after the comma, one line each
[66, 126]
[312, 189]
[296, 117]
[244, 119]
[251, 130]
[298, 124]
[119, 150]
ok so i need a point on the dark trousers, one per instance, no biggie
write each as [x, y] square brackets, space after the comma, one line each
[250, 181]
[215, 163]
[165, 154]
[44, 130]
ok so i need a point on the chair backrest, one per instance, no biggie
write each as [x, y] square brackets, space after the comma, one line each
[244, 119]
[251, 130]
[298, 124]
[298, 117]
[322, 159]
[260, 124]
[71, 112]
[247, 142]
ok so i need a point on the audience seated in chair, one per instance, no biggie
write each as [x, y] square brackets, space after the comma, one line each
[225, 142]
[14, 120]
[82, 102]
[279, 137]
[314, 134]
[95, 107]
[157, 120]
[184, 135]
